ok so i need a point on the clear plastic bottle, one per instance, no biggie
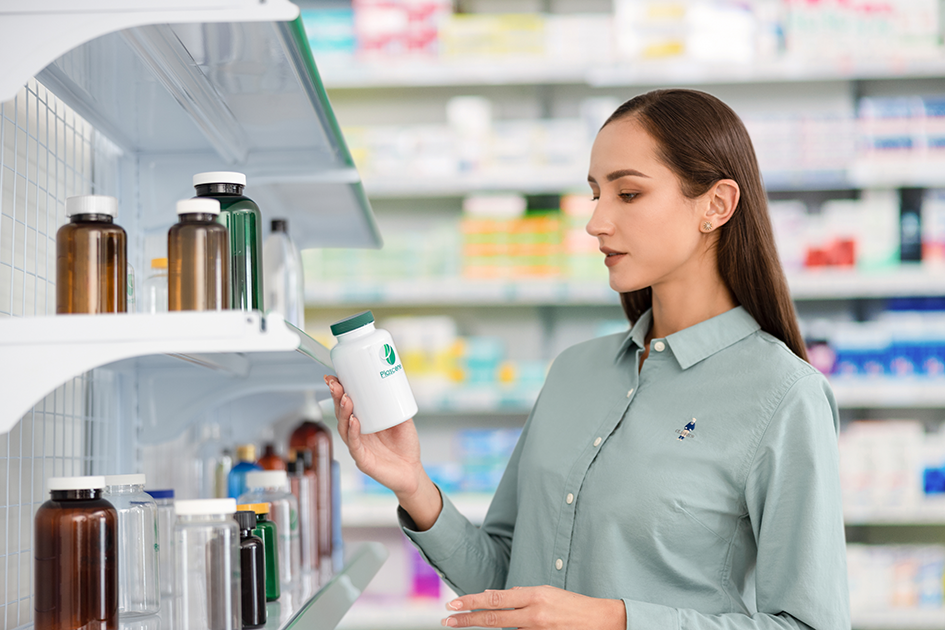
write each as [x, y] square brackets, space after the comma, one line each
[76, 557]
[267, 532]
[221, 473]
[91, 258]
[272, 487]
[302, 483]
[207, 565]
[285, 285]
[164, 500]
[314, 437]
[243, 222]
[252, 571]
[139, 590]
[198, 275]
[154, 289]
[130, 300]
[246, 462]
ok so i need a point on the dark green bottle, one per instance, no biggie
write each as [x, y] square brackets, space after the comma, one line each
[266, 530]
[243, 222]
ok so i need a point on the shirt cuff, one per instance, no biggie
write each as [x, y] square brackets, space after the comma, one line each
[646, 616]
[440, 541]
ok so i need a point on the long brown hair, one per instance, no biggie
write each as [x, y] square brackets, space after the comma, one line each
[703, 141]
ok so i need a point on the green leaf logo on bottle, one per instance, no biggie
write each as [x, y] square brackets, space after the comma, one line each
[389, 357]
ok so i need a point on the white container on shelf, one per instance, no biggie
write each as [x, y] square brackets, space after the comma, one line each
[372, 374]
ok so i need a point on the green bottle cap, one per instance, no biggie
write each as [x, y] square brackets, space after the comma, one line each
[351, 323]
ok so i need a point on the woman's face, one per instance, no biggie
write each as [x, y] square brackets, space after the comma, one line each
[646, 227]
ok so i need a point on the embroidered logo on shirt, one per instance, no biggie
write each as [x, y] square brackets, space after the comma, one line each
[688, 431]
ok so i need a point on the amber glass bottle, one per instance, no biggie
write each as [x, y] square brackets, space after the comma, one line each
[198, 273]
[91, 258]
[315, 437]
[270, 460]
[76, 558]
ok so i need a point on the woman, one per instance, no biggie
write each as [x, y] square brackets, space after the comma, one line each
[682, 476]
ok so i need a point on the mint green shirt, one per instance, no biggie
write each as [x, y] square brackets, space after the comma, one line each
[702, 490]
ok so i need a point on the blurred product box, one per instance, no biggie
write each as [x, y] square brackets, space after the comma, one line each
[483, 35]
[330, 32]
[396, 27]
[836, 29]
[888, 578]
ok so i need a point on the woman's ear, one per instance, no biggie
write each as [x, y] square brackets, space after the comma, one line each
[723, 200]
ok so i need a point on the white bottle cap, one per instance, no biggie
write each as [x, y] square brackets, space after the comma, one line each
[266, 479]
[125, 480]
[200, 507]
[92, 204]
[200, 205]
[220, 177]
[76, 483]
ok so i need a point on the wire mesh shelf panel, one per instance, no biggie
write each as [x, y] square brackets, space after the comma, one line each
[47, 153]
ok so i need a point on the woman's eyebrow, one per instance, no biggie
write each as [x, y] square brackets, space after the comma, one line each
[626, 172]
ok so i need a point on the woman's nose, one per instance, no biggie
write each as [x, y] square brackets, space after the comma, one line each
[597, 225]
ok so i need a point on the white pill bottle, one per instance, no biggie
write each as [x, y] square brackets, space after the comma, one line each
[370, 370]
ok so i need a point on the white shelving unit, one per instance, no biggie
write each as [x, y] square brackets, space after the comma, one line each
[164, 89]
[186, 362]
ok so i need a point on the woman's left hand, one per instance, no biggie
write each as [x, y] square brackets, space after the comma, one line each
[537, 608]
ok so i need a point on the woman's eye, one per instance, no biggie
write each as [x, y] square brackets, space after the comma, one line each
[595, 198]
[628, 196]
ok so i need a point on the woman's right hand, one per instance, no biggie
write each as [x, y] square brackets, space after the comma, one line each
[391, 457]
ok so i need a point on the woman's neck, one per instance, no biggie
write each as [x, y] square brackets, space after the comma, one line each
[686, 302]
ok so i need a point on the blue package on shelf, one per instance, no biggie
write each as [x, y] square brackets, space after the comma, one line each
[863, 349]
[448, 476]
[330, 31]
[486, 445]
[933, 481]
[482, 477]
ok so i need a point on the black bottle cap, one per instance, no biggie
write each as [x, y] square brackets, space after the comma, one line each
[246, 520]
[280, 225]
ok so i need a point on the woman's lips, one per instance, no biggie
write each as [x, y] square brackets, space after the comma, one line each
[612, 259]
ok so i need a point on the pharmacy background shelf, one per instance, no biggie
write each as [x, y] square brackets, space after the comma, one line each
[185, 362]
[906, 619]
[555, 179]
[824, 284]
[550, 71]
[380, 510]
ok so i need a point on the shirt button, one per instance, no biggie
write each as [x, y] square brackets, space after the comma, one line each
[570, 498]
[559, 564]
[597, 442]
[630, 393]
[659, 346]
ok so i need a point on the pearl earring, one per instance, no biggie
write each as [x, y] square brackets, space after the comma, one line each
[706, 226]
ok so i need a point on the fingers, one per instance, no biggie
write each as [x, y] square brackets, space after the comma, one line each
[487, 619]
[343, 405]
[492, 599]
[354, 434]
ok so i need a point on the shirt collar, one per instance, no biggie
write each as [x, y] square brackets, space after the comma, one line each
[692, 345]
